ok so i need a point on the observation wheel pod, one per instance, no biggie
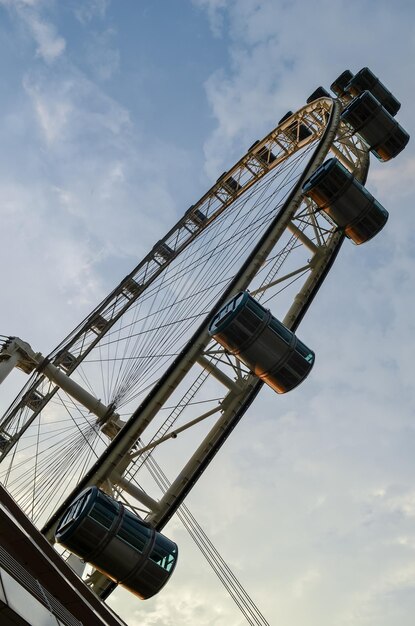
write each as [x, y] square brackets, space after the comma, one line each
[339, 85]
[346, 201]
[260, 341]
[366, 80]
[320, 92]
[372, 122]
[103, 532]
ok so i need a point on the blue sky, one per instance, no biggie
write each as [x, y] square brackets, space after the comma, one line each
[116, 116]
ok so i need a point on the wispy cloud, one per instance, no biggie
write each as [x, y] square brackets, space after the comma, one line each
[102, 57]
[215, 11]
[50, 45]
[53, 111]
[88, 10]
[280, 52]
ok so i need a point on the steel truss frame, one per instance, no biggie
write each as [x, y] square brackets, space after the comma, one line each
[298, 221]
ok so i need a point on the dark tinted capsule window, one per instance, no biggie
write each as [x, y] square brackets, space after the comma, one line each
[249, 321]
[104, 511]
[256, 308]
[281, 330]
[134, 532]
[164, 553]
[304, 351]
[286, 378]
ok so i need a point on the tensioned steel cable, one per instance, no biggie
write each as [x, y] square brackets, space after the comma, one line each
[174, 338]
[159, 306]
[61, 468]
[69, 456]
[144, 371]
[222, 570]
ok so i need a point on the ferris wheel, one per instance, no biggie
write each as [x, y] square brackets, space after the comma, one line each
[165, 367]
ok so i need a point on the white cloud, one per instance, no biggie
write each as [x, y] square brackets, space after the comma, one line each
[101, 56]
[214, 9]
[22, 3]
[369, 606]
[87, 10]
[187, 609]
[72, 268]
[302, 585]
[50, 45]
[53, 111]
[402, 503]
[70, 107]
[280, 52]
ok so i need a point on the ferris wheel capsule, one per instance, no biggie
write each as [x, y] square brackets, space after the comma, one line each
[372, 122]
[271, 351]
[365, 80]
[338, 86]
[320, 92]
[104, 533]
[346, 201]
